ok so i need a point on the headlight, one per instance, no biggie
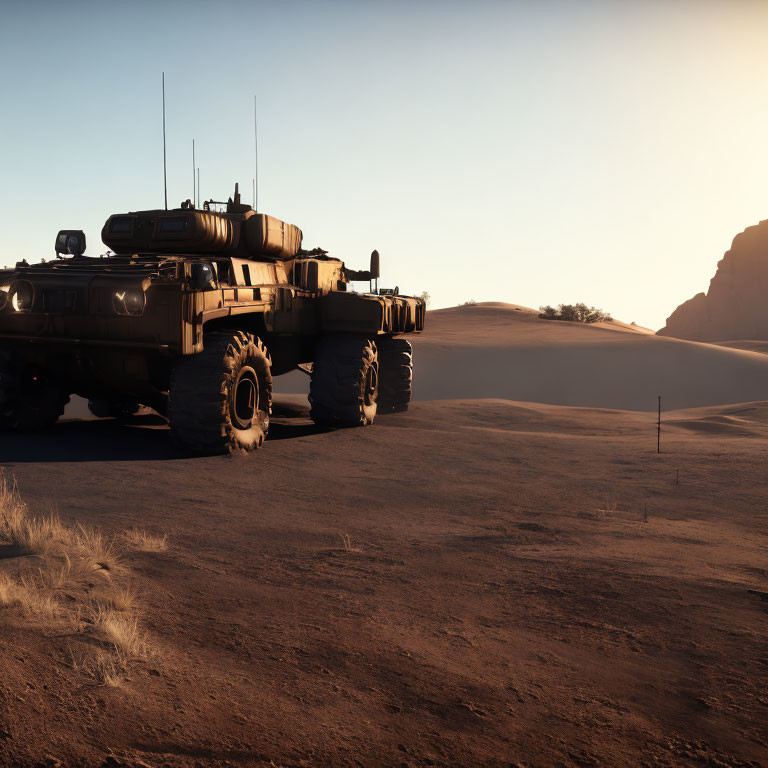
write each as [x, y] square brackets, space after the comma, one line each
[129, 301]
[21, 296]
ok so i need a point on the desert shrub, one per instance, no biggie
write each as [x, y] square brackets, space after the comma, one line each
[574, 313]
[425, 296]
[470, 303]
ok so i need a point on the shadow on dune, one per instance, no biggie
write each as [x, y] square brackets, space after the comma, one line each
[143, 438]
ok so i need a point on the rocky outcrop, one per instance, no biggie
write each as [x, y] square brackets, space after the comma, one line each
[736, 304]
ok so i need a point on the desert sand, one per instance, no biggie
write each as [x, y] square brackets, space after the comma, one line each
[508, 574]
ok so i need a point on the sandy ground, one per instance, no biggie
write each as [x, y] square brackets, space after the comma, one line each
[522, 584]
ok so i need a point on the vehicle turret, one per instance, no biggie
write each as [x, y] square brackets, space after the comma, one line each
[238, 231]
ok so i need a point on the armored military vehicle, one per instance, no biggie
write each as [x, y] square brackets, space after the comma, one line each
[192, 313]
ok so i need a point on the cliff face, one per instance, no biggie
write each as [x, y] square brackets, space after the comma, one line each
[736, 304]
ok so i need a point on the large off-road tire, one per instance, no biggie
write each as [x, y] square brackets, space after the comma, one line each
[220, 400]
[395, 374]
[29, 398]
[117, 408]
[344, 384]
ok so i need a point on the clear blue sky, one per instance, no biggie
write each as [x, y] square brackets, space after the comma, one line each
[530, 152]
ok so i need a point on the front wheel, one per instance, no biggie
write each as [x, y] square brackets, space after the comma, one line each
[30, 398]
[220, 400]
[345, 382]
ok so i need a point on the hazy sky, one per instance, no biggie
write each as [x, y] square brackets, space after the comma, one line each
[529, 152]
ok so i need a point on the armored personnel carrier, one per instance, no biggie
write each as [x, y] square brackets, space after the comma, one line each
[192, 313]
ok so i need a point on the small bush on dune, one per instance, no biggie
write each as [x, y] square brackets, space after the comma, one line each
[574, 313]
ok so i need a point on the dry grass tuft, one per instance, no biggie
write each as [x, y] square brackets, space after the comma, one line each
[144, 541]
[119, 598]
[13, 511]
[93, 545]
[30, 534]
[34, 600]
[64, 571]
[108, 669]
[47, 537]
[122, 631]
[70, 561]
[608, 510]
[6, 589]
[26, 593]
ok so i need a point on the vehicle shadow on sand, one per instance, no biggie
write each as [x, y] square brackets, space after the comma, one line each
[145, 437]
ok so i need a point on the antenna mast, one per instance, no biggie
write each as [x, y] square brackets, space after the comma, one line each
[198, 187]
[256, 159]
[165, 173]
[194, 198]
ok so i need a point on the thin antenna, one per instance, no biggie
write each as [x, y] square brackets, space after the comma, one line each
[256, 158]
[165, 172]
[198, 187]
[194, 199]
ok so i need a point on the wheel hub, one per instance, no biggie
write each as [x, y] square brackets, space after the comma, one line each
[244, 400]
[371, 385]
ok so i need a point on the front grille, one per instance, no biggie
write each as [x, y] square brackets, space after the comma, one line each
[60, 301]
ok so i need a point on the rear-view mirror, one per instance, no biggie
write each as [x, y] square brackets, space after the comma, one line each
[374, 265]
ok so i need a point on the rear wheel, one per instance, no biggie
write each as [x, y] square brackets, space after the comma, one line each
[345, 382]
[395, 375]
[120, 408]
[30, 398]
[220, 400]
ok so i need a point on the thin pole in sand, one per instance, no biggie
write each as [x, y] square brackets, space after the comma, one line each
[658, 429]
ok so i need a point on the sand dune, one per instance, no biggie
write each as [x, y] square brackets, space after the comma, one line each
[751, 345]
[496, 350]
[505, 351]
